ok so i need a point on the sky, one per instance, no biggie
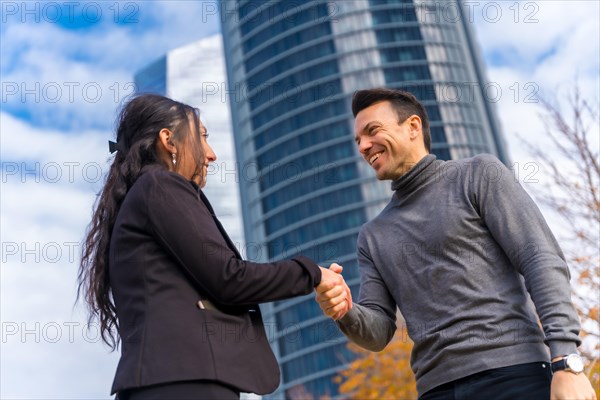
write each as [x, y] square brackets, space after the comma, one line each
[64, 69]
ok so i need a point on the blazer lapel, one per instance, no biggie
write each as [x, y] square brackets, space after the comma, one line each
[218, 223]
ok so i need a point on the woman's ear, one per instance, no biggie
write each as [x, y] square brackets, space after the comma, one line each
[165, 141]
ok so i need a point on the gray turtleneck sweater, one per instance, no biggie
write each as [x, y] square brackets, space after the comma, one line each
[462, 250]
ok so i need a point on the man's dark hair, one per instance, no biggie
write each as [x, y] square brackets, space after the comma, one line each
[405, 104]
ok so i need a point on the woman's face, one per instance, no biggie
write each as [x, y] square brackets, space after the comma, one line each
[193, 160]
[209, 155]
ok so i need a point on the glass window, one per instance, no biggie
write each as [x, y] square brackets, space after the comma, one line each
[286, 43]
[433, 113]
[320, 332]
[321, 179]
[292, 60]
[442, 153]
[309, 138]
[438, 135]
[296, 143]
[291, 316]
[293, 169]
[403, 34]
[326, 252]
[305, 118]
[399, 14]
[153, 79]
[288, 87]
[383, 2]
[292, 18]
[402, 53]
[248, 7]
[323, 227]
[317, 205]
[326, 358]
[407, 73]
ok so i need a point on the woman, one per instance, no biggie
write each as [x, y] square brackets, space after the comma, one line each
[162, 276]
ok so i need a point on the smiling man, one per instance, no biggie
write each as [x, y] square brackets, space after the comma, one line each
[462, 251]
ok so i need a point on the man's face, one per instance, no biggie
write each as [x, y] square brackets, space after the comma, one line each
[389, 147]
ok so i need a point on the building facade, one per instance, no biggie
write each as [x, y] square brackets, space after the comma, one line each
[292, 68]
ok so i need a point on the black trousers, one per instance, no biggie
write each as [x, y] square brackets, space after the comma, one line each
[523, 381]
[192, 390]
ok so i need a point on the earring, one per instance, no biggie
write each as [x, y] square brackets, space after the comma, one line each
[174, 158]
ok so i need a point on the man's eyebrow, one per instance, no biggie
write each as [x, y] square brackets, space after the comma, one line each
[370, 125]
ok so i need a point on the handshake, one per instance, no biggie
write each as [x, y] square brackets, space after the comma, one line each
[333, 294]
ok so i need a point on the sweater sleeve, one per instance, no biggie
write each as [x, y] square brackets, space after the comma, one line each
[183, 225]
[371, 322]
[519, 228]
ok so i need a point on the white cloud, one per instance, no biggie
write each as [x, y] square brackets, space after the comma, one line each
[47, 352]
[546, 57]
[43, 221]
[525, 31]
[49, 181]
[74, 79]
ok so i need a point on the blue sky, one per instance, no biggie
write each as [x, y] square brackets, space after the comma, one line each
[98, 44]
[64, 71]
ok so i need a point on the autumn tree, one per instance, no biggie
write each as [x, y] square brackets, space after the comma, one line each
[383, 375]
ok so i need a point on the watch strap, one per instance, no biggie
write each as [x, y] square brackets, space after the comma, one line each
[559, 365]
[572, 363]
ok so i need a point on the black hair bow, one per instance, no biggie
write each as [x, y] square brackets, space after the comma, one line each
[114, 146]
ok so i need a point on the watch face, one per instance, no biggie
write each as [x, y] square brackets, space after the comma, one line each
[575, 363]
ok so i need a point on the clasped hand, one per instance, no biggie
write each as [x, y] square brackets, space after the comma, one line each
[333, 294]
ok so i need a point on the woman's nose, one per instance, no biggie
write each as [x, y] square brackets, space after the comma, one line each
[210, 155]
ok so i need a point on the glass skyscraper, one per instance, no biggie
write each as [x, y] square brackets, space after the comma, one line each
[292, 68]
[153, 78]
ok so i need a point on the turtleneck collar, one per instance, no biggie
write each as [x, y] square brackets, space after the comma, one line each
[415, 176]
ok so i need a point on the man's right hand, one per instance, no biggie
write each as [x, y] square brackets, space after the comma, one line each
[333, 294]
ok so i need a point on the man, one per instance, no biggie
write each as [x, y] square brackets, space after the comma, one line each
[459, 249]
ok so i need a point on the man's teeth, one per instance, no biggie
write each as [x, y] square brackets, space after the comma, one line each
[374, 157]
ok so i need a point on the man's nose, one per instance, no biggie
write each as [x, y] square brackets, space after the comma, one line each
[364, 146]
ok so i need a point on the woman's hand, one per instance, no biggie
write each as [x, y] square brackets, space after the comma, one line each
[333, 294]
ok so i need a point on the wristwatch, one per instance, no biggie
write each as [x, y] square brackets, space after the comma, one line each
[572, 363]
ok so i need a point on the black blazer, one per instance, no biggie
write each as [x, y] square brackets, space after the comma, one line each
[167, 252]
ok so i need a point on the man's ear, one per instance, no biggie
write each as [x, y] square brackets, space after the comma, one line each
[415, 125]
[165, 137]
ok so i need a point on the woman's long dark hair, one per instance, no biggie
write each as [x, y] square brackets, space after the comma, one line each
[137, 130]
